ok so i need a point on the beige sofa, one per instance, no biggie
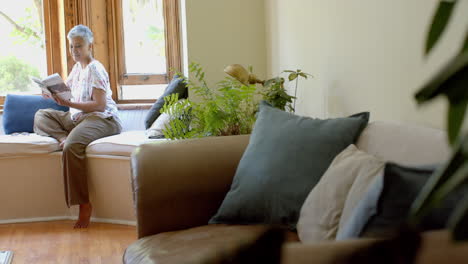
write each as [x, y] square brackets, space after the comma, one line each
[176, 193]
[30, 168]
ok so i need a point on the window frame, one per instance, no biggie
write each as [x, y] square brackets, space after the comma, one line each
[55, 47]
[61, 15]
[118, 74]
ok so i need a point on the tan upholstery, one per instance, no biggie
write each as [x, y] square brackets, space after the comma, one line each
[193, 245]
[436, 248]
[178, 185]
[184, 186]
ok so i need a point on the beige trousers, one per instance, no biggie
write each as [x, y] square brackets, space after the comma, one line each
[58, 124]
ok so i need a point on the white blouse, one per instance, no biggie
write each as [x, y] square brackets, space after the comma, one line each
[82, 81]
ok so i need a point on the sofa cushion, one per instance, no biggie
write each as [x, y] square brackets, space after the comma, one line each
[26, 144]
[321, 212]
[156, 129]
[357, 192]
[405, 144]
[286, 157]
[19, 111]
[120, 145]
[193, 245]
[388, 200]
[177, 86]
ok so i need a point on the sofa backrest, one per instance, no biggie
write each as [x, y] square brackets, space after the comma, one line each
[405, 144]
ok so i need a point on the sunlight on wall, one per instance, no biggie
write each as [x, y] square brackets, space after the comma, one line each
[365, 55]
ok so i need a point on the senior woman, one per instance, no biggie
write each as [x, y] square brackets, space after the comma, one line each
[92, 115]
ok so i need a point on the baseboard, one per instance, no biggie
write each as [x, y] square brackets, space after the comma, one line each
[113, 221]
[108, 221]
[35, 219]
[58, 218]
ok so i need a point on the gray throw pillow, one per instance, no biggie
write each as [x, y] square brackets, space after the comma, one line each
[387, 203]
[286, 157]
[178, 86]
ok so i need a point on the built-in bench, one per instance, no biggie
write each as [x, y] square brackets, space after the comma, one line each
[32, 182]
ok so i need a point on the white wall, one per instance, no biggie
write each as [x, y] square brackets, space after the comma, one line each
[364, 54]
[222, 32]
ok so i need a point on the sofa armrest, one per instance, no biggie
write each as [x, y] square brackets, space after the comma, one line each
[436, 247]
[329, 252]
[180, 184]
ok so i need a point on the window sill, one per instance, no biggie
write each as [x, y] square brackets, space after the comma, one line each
[134, 106]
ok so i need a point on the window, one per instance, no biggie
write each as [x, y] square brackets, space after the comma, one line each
[145, 36]
[137, 41]
[22, 49]
[24, 27]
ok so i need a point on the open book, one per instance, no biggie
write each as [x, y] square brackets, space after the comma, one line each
[6, 257]
[53, 84]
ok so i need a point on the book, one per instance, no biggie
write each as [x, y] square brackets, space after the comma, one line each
[6, 257]
[54, 85]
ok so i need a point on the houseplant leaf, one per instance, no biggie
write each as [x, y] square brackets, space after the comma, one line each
[465, 44]
[304, 75]
[439, 23]
[452, 82]
[439, 84]
[427, 198]
[458, 178]
[292, 76]
[456, 115]
[458, 221]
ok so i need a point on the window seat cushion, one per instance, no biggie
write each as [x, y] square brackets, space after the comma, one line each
[26, 144]
[120, 145]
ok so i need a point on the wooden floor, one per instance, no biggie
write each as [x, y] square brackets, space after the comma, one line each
[58, 242]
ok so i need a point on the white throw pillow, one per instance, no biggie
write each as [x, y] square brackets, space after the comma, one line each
[321, 212]
[357, 192]
[156, 129]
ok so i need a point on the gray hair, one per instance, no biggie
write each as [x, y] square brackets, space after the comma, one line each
[81, 31]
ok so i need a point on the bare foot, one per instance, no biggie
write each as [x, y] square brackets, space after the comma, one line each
[62, 142]
[84, 216]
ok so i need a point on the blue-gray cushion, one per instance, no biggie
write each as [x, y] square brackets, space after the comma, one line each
[19, 111]
[387, 203]
[286, 157]
[177, 86]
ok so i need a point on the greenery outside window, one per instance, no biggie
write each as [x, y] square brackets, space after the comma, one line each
[144, 38]
[24, 52]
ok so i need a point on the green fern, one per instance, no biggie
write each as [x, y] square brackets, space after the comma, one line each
[180, 111]
[228, 110]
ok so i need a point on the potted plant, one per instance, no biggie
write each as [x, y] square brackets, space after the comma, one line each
[227, 110]
[452, 82]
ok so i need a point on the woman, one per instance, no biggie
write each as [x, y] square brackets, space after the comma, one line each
[92, 115]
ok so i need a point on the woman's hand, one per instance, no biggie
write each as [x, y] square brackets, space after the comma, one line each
[60, 101]
[96, 104]
[46, 96]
